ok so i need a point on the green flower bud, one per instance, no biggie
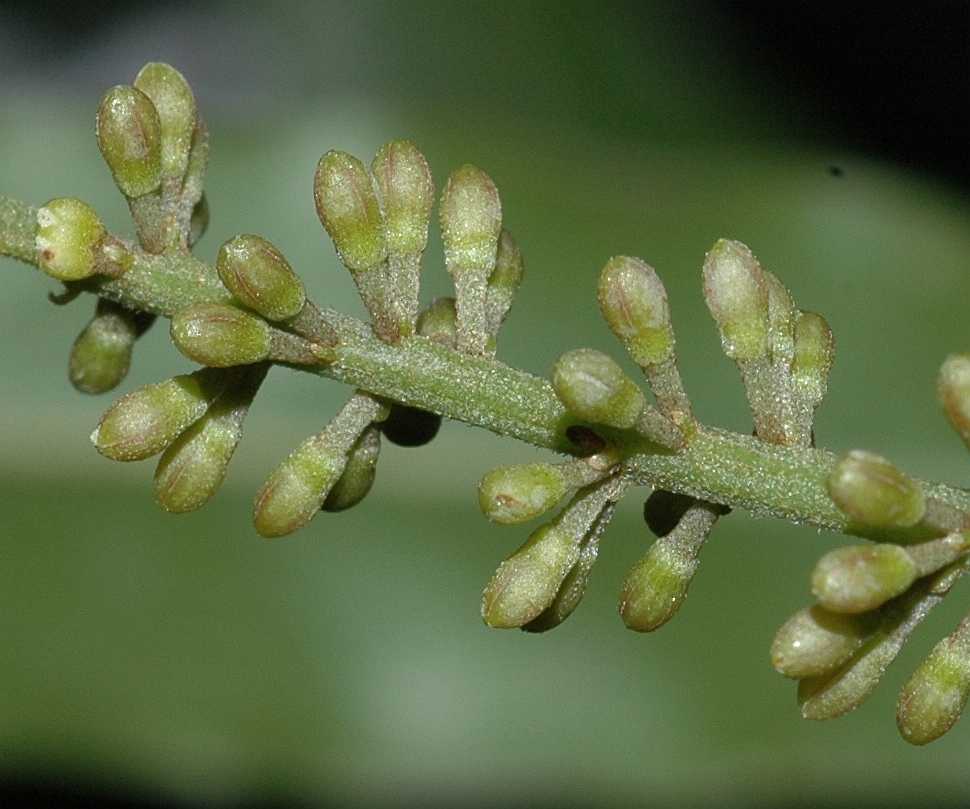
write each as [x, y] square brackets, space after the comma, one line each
[260, 278]
[358, 476]
[594, 388]
[737, 296]
[526, 583]
[781, 319]
[437, 322]
[872, 492]
[172, 97]
[69, 235]
[192, 468]
[129, 137]
[954, 391]
[514, 494]
[862, 577]
[634, 303]
[815, 641]
[471, 221]
[570, 592]
[101, 354]
[349, 210]
[410, 426]
[220, 336]
[504, 281]
[407, 191]
[144, 422]
[814, 355]
[935, 696]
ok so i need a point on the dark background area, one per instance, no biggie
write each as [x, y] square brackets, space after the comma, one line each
[775, 103]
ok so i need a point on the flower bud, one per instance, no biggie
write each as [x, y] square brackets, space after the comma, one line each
[192, 468]
[594, 388]
[410, 426]
[814, 355]
[144, 422]
[781, 319]
[406, 190]
[503, 282]
[526, 583]
[260, 278]
[69, 234]
[514, 494]
[437, 322]
[220, 336]
[129, 137]
[471, 220]
[570, 592]
[172, 97]
[634, 303]
[862, 577]
[655, 587]
[954, 392]
[358, 476]
[815, 641]
[349, 210]
[935, 696]
[737, 296]
[872, 492]
[101, 354]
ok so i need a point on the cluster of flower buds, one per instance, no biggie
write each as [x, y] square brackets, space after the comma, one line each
[870, 598]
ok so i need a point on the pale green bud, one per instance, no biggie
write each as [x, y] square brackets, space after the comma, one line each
[220, 336]
[594, 388]
[437, 322]
[872, 492]
[954, 391]
[862, 577]
[570, 592]
[358, 476]
[173, 99]
[260, 278]
[130, 135]
[815, 641]
[526, 583]
[192, 468]
[101, 354]
[503, 282]
[406, 190]
[69, 236]
[656, 586]
[471, 220]
[350, 211]
[781, 319]
[737, 296]
[144, 422]
[634, 303]
[934, 697]
[514, 494]
[814, 355]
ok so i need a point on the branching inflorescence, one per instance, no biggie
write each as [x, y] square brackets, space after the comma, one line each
[411, 366]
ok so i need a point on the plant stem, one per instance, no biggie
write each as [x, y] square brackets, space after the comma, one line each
[717, 466]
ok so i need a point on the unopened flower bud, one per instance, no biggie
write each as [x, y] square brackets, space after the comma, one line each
[503, 282]
[437, 322]
[570, 592]
[954, 391]
[471, 221]
[101, 354]
[173, 99]
[594, 388]
[526, 583]
[192, 468]
[144, 422]
[862, 577]
[260, 278]
[815, 641]
[872, 492]
[814, 355]
[69, 234]
[737, 296]
[406, 190]
[514, 494]
[349, 210]
[781, 319]
[129, 136]
[359, 473]
[934, 697]
[634, 303]
[220, 336]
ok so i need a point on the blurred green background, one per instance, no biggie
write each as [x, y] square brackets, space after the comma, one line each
[184, 657]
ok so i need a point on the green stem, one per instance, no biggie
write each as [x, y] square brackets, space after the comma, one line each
[718, 466]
